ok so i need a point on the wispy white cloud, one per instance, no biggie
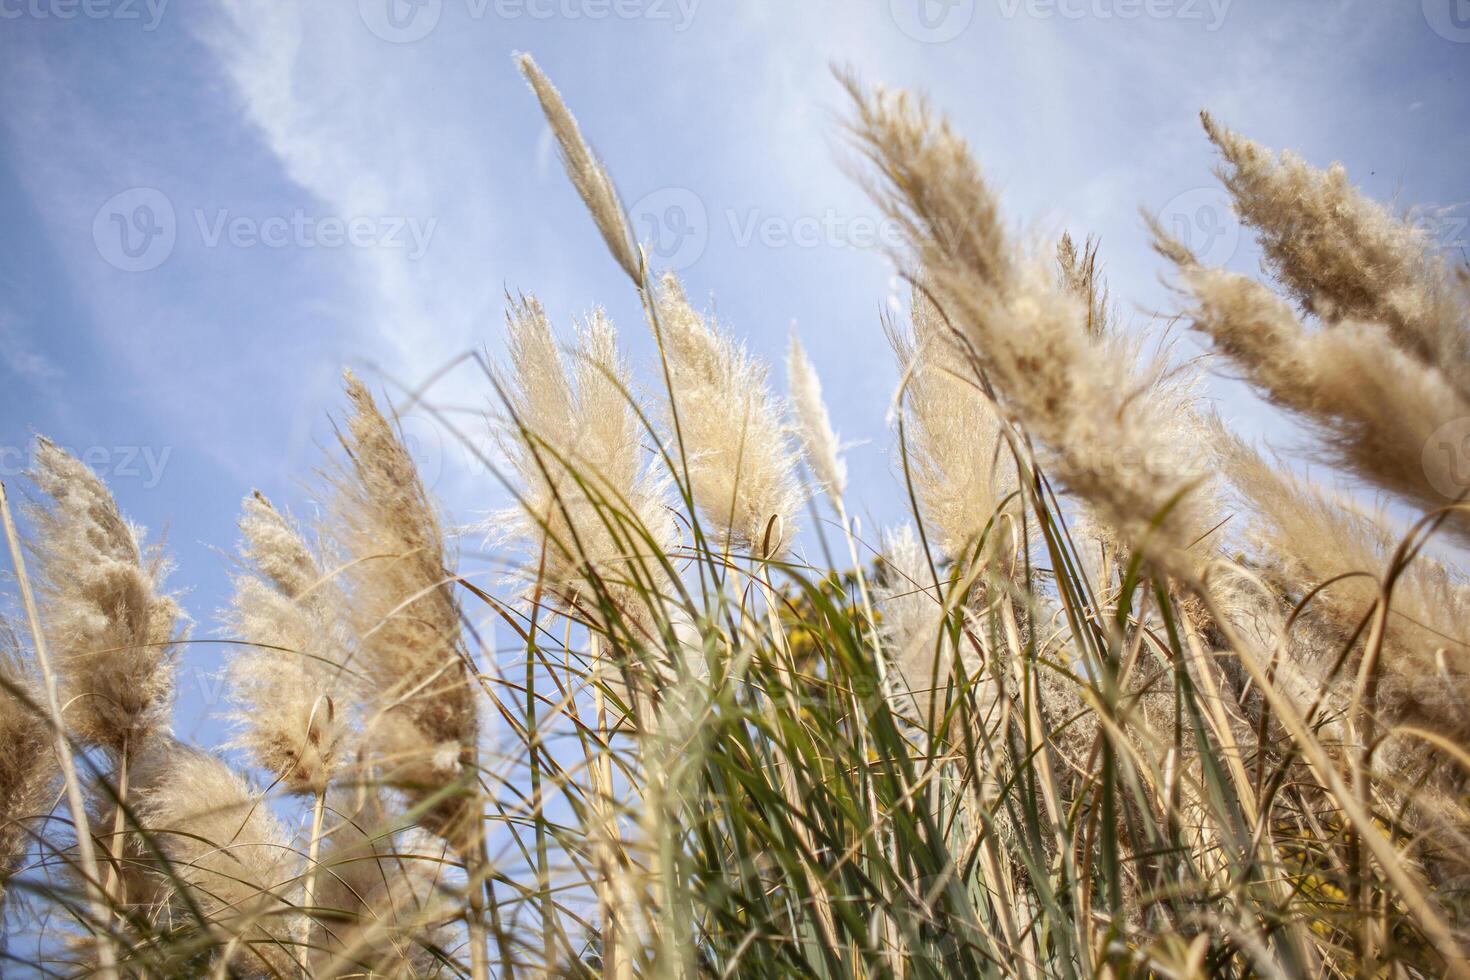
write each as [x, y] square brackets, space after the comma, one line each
[366, 146]
[19, 356]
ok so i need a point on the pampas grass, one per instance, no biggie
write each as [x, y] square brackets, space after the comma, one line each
[951, 435]
[423, 720]
[1029, 343]
[378, 889]
[110, 624]
[1128, 696]
[1343, 256]
[813, 423]
[591, 510]
[296, 692]
[587, 173]
[732, 432]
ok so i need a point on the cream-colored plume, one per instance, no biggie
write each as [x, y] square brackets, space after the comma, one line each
[227, 855]
[1305, 539]
[378, 895]
[586, 171]
[920, 654]
[1344, 256]
[109, 625]
[593, 510]
[28, 768]
[730, 428]
[421, 722]
[813, 423]
[1381, 411]
[295, 689]
[961, 469]
[1118, 432]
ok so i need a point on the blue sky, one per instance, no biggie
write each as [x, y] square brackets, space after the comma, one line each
[208, 209]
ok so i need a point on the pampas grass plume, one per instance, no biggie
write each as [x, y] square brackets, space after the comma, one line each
[587, 172]
[736, 444]
[295, 693]
[813, 424]
[423, 722]
[109, 625]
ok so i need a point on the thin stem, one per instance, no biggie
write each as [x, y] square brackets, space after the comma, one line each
[308, 885]
[115, 886]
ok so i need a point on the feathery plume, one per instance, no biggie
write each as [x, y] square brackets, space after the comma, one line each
[1120, 434]
[27, 763]
[813, 424]
[736, 446]
[952, 436]
[586, 171]
[1344, 256]
[293, 686]
[224, 848]
[405, 620]
[1375, 406]
[111, 628]
[594, 510]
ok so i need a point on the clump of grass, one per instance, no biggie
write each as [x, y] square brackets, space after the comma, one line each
[1126, 697]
